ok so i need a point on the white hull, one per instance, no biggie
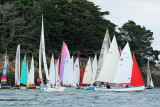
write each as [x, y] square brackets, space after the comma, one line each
[140, 88]
[58, 89]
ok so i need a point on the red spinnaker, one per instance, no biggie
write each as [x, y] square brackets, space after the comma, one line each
[136, 79]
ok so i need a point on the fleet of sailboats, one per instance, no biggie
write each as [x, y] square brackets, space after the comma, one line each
[112, 67]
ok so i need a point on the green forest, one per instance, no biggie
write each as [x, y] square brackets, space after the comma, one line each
[79, 23]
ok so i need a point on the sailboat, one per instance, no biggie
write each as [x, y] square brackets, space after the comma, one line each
[17, 67]
[94, 69]
[4, 75]
[125, 73]
[53, 74]
[23, 78]
[150, 84]
[30, 80]
[77, 71]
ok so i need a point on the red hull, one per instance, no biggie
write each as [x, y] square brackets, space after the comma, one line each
[33, 87]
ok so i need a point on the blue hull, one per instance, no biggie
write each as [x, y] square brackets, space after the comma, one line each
[90, 88]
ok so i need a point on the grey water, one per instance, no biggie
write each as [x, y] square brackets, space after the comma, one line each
[79, 97]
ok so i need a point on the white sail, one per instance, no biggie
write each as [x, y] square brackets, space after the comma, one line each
[40, 59]
[94, 67]
[108, 71]
[57, 68]
[104, 54]
[52, 72]
[43, 51]
[77, 71]
[66, 74]
[17, 66]
[88, 74]
[124, 69]
[72, 78]
[149, 77]
[31, 73]
[106, 43]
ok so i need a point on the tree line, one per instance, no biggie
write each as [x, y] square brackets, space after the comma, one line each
[79, 23]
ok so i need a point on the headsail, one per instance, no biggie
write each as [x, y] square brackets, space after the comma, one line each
[136, 78]
[57, 69]
[17, 66]
[108, 71]
[124, 69]
[31, 73]
[88, 74]
[4, 78]
[106, 43]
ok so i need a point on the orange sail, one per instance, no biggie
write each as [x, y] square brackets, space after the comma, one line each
[136, 79]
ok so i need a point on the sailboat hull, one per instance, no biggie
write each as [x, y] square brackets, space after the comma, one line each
[90, 88]
[149, 87]
[140, 88]
[58, 89]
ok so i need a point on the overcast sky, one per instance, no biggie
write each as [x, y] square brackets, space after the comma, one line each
[142, 12]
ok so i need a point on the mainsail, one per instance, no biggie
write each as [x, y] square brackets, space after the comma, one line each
[31, 73]
[52, 72]
[64, 55]
[82, 75]
[77, 71]
[94, 68]
[17, 66]
[88, 74]
[4, 78]
[67, 68]
[43, 51]
[108, 71]
[124, 69]
[136, 78]
[23, 78]
[106, 43]
[149, 77]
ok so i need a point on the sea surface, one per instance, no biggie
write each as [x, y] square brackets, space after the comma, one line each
[79, 97]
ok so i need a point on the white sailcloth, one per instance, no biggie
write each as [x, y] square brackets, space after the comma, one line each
[72, 78]
[40, 60]
[66, 74]
[31, 73]
[77, 71]
[57, 68]
[43, 51]
[94, 68]
[104, 54]
[149, 77]
[124, 69]
[52, 72]
[108, 71]
[17, 66]
[88, 74]
[106, 43]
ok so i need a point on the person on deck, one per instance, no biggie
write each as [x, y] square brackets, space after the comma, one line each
[107, 85]
[113, 86]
